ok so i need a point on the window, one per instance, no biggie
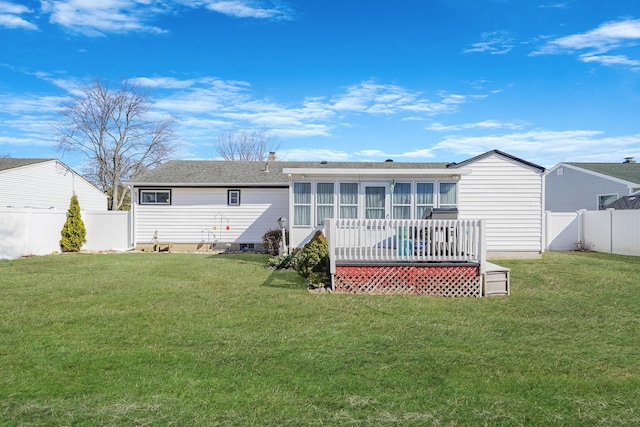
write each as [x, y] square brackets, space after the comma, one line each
[155, 197]
[233, 197]
[605, 199]
[246, 247]
[301, 203]
[374, 207]
[401, 200]
[324, 201]
[424, 198]
[448, 197]
[348, 200]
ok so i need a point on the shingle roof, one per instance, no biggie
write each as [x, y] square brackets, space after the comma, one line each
[626, 171]
[10, 163]
[219, 172]
[625, 202]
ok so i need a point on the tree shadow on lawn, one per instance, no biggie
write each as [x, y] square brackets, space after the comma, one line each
[283, 279]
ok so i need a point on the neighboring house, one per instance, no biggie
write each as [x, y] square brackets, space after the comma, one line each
[626, 202]
[45, 184]
[204, 204]
[570, 187]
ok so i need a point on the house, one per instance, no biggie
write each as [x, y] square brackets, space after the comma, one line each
[570, 187]
[209, 205]
[626, 202]
[45, 184]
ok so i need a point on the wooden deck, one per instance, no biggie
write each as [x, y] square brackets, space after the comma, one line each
[428, 257]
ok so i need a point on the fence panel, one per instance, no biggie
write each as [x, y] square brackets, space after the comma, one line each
[562, 231]
[30, 231]
[609, 231]
[625, 232]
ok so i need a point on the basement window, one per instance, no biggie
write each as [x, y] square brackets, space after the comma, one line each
[155, 197]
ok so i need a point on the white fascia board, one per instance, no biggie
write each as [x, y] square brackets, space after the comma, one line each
[377, 172]
[206, 184]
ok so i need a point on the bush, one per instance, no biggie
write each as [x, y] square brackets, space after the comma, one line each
[73, 232]
[271, 241]
[284, 262]
[313, 261]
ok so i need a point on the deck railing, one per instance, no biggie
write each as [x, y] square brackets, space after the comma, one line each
[410, 240]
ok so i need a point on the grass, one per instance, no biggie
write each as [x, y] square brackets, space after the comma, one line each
[198, 340]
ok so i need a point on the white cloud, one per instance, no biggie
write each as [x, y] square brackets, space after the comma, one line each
[10, 16]
[494, 43]
[547, 147]
[598, 42]
[93, 18]
[246, 9]
[486, 124]
[97, 18]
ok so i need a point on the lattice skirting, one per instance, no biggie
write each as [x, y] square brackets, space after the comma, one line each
[450, 281]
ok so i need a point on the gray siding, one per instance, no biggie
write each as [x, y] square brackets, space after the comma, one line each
[575, 189]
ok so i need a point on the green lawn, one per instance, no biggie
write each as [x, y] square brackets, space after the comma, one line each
[199, 340]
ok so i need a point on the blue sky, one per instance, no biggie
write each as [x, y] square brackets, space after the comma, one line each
[411, 80]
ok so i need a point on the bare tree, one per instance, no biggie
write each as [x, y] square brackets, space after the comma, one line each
[115, 131]
[245, 144]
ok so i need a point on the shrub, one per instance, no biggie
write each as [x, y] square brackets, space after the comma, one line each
[73, 232]
[271, 241]
[283, 262]
[313, 261]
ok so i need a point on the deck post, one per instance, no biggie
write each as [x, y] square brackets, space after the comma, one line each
[482, 256]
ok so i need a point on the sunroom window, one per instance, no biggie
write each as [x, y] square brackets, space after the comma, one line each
[301, 203]
[401, 200]
[324, 201]
[448, 197]
[424, 198]
[348, 200]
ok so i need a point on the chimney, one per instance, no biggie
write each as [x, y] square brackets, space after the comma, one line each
[629, 160]
[272, 156]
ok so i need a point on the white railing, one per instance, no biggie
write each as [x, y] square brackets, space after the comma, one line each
[394, 240]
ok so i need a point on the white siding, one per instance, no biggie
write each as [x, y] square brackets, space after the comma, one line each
[194, 212]
[48, 184]
[508, 195]
[574, 189]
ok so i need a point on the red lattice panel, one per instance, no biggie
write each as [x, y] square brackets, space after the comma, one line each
[449, 281]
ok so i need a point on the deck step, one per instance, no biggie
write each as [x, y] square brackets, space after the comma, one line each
[496, 280]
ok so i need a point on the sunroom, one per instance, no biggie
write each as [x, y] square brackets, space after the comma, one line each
[395, 230]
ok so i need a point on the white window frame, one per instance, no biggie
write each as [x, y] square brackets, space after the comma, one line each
[439, 200]
[308, 205]
[318, 205]
[409, 205]
[348, 205]
[601, 196]
[155, 191]
[434, 198]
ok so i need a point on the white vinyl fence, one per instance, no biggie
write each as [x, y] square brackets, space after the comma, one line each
[610, 231]
[31, 231]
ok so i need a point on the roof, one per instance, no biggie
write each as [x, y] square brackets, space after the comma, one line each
[221, 172]
[10, 163]
[625, 202]
[629, 172]
[499, 153]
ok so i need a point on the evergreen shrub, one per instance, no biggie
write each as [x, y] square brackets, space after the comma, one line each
[73, 232]
[313, 261]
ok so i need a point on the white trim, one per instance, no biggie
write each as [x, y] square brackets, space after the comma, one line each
[379, 172]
